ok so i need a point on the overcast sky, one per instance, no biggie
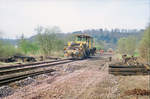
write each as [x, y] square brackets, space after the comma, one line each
[22, 16]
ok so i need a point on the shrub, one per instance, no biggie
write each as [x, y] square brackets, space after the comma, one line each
[127, 45]
[7, 49]
[144, 47]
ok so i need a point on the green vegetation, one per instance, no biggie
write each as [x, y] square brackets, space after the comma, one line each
[111, 37]
[127, 45]
[7, 49]
[28, 47]
[99, 44]
[48, 40]
[131, 46]
[144, 46]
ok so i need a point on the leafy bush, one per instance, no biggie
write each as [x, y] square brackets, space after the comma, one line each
[28, 47]
[144, 47]
[127, 45]
[7, 50]
[99, 44]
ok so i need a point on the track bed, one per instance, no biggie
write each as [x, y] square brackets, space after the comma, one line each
[13, 73]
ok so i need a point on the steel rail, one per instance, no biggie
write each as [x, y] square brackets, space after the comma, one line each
[5, 81]
[125, 66]
[29, 64]
[22, 69]
[128, 73]
[127, 69]
[8, 79]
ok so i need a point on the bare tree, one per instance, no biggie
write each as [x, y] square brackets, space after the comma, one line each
[47, 38]
[39, 29]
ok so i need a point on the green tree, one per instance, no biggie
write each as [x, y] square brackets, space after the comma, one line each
[127, 45]
[121, 45]
[144, 46]
[131, 44]
[28, 47]
[99, 44]
[7, 49]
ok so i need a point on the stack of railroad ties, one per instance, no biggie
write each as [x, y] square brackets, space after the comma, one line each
[129, 66]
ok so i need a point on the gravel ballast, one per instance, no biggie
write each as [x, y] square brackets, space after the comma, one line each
[25, 82]
[6, 91]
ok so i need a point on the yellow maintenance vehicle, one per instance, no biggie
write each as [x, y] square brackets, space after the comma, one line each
[82, 47]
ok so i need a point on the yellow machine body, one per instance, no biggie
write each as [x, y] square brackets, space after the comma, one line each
[81, 48]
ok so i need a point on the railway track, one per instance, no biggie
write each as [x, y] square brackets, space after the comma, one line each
[27, 67]
[29, 64]
[10, 74]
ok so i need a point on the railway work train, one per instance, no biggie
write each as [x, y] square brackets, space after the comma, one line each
[82, 47]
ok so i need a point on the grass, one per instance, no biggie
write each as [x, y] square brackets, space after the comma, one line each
[58, 53]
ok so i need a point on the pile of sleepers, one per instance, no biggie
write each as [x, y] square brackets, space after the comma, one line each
[125, 70]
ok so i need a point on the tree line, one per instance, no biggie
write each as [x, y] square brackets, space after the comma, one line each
[111, 37]
[48, 41]
[133, 46]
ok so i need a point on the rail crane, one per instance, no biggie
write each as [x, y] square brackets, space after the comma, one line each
[82, 47]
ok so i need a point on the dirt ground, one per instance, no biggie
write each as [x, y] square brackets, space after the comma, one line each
[84, 79]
